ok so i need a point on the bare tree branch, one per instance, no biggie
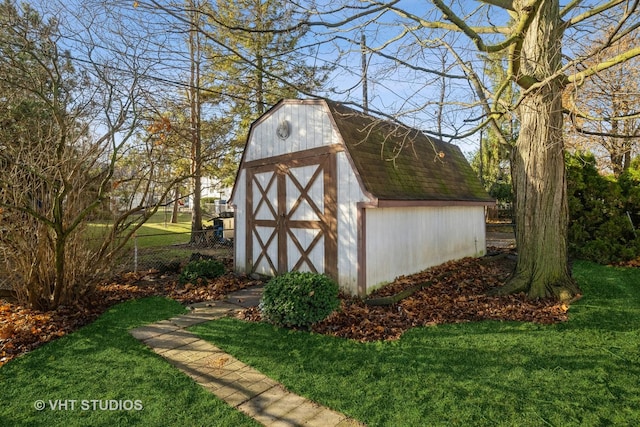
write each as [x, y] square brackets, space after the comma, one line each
[594, 11]
[579, 77]
[505, 4]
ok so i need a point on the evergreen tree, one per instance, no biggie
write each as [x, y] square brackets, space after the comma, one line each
[252, 61]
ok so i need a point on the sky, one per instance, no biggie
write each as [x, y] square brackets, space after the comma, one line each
[409, 93]
[122, 32]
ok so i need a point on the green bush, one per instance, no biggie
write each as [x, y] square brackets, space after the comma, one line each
[201, 269]
[298, 299]
[600, 208]
[630, 184]
[502, 192]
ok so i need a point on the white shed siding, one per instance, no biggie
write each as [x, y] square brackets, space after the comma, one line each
[349, 194]
[266, 181]
[397, 240]
[305, 236]
[401, 241]
[240, 209]
[309, 126]
[261, 264]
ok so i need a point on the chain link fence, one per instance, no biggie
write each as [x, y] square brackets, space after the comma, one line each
[145, 252]
[165, 252]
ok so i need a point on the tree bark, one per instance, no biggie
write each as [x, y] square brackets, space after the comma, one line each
[60, 285]
[196, 142]
[538, 174]
[176, 205]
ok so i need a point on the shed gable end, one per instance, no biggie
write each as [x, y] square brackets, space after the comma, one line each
[291, 126]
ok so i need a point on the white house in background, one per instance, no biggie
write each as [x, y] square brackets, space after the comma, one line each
[324, 188]
[212, 189]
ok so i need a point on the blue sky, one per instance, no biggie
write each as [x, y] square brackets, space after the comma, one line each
[410, 93]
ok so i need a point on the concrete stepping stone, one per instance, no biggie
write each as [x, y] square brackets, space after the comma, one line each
[238, 384]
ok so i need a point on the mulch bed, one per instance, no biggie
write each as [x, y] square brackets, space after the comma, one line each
[457, 293]
[23, 329]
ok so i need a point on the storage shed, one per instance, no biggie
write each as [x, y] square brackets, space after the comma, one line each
[324, 188]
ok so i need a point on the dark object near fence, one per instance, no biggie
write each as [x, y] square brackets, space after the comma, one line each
[197, 256]
[211, 236]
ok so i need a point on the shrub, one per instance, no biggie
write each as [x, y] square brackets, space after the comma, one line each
[502, 192]
[600, 208]
[298, 299]
[201, 269]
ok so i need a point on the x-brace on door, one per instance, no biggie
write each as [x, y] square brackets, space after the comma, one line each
[291, 221]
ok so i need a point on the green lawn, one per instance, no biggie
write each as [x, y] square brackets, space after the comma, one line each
[158, 242]
[103, 363]
[585, 372]
[157, 231]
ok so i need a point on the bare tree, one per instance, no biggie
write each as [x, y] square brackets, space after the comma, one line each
[68, 119]
[401, 40]
[195, 104]
[532, 34]
[605, 109]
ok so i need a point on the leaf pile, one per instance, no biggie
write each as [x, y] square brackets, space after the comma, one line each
[632, 263]
[23, 329]
[457, 293]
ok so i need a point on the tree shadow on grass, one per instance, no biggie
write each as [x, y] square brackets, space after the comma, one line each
[484, 373]
[102, 361]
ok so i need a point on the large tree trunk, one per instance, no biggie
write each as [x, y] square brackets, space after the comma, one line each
[541, 201]
[538, 172]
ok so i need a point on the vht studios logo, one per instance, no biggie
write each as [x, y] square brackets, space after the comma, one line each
[88, 405]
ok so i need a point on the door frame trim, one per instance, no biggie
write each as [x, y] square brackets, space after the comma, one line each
[326, 159]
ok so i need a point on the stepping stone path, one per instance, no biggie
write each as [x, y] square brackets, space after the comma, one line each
[238, 384]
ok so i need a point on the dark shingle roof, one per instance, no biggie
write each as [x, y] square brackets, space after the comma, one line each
[399, 163]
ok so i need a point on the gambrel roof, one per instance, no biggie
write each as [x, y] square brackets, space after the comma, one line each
[395, 162]
[323, 187]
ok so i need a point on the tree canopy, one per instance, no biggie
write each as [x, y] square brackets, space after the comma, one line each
[530, 36]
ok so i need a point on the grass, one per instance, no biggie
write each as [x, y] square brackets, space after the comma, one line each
[103, 362]
[581, 373]
[584, 372]
[158, 241]
[157, 231]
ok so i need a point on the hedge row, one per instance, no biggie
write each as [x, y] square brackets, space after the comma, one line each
[604, 212]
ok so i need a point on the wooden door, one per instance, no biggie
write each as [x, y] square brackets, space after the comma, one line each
[291, 221]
